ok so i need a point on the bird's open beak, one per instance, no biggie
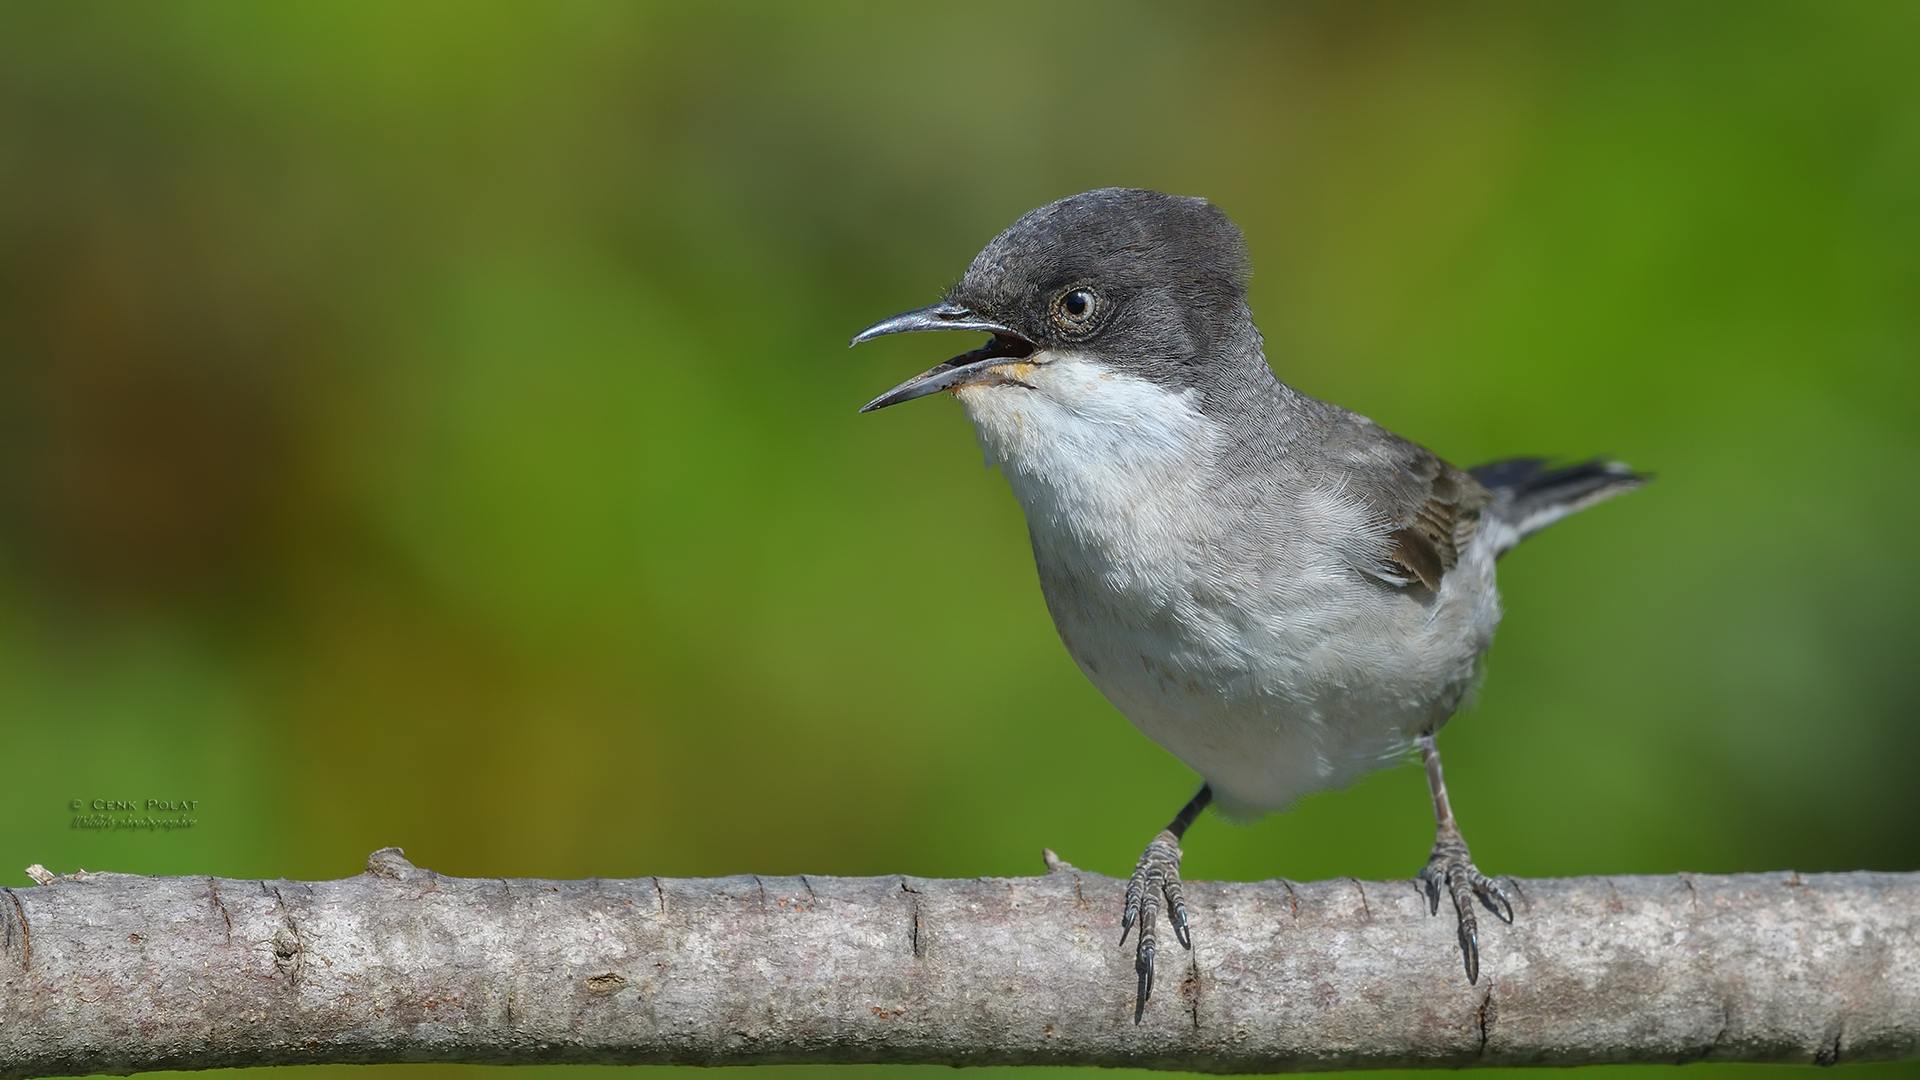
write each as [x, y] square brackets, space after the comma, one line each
[966, 368]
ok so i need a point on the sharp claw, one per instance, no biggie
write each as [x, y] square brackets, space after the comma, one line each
[1505, 911]
[1470, 948]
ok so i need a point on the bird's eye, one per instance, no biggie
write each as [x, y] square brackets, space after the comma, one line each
[1076, 309]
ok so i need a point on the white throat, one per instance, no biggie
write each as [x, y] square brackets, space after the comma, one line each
[1109, 467]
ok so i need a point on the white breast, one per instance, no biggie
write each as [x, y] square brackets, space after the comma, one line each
[1108, 468]
[1222, 621]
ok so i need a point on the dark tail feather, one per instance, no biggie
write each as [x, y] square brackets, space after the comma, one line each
[1528, 497]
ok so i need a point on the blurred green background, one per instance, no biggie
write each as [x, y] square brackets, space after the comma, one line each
[431, 424]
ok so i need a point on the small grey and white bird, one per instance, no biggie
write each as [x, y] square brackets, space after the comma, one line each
[1277, 590]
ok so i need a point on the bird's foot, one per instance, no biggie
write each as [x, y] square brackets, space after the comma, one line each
[1156, 875]
[1452, 868]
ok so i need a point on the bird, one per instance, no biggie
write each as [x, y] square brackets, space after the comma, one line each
[1277, 590]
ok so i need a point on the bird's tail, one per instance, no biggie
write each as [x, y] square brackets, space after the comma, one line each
[1528, 497]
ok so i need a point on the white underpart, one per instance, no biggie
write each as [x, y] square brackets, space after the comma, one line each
[1225, 621]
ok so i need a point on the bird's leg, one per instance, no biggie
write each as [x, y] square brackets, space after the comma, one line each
[1158, 873]
[1452, 867]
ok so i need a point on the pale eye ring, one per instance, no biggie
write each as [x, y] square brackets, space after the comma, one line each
[1075, 309]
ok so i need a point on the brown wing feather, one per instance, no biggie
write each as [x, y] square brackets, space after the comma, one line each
[1417, 554]
[1430, 508]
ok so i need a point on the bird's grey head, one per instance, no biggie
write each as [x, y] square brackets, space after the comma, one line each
[1147, 284]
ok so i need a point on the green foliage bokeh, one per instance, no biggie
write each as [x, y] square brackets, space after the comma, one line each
[431, 424]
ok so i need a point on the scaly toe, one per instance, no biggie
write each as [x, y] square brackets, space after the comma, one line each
[1155, 878]
[1492, 896]
[1452, 867]
[1431, 879]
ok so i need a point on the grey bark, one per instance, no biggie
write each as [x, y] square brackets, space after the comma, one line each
[121, 973]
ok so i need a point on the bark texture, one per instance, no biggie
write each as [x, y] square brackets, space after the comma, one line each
[120, 973]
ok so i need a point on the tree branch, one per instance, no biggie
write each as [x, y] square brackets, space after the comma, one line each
[120, 973]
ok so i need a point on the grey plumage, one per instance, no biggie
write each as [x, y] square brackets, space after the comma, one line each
[1274, 588]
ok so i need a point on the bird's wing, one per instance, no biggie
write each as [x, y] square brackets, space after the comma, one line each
[1424, 510]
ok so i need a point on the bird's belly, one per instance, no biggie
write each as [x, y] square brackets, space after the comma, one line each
[1270, 701]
